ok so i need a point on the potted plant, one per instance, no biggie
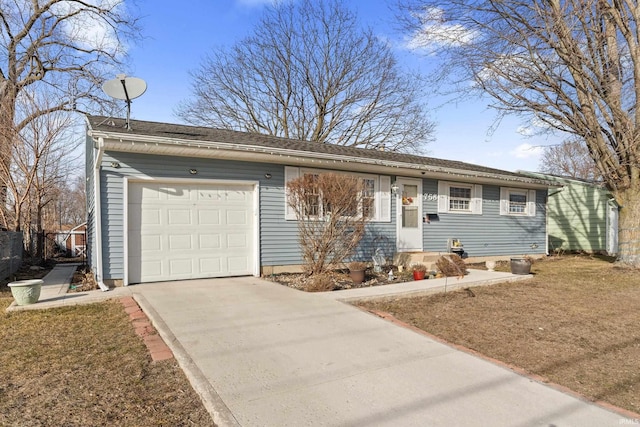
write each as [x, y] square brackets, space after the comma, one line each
[521, 265]
[26, 291]
[419, 271]
[356, 271]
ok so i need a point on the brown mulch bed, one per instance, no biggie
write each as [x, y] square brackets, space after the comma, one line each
[575, 324]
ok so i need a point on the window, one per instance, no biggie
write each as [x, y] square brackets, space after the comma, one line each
[459, 198]
[368, 198]
[376, 200]
[517, 202]
[312, 202]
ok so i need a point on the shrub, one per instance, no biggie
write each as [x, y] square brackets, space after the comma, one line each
[451, 265]
[331, 215]
[419, 267]
[357, 266]
[320, 283]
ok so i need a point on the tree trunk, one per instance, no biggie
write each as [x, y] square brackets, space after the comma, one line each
[629, 226]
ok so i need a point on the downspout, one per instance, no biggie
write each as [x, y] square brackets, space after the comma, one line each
[97, 214]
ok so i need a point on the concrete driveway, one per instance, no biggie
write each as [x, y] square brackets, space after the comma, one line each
[262, 354]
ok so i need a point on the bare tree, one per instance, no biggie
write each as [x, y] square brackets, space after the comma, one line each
[571, 64]
[43, 155]
[310, 72]
[571, 159]
[65, 47]
[332, 210]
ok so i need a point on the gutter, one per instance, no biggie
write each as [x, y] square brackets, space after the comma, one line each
[97, 213]
[285, 152]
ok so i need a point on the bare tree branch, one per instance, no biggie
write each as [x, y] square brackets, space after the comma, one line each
[571, 64]
[309, 71]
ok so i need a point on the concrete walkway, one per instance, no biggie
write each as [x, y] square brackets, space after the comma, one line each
[262, 354]
[55, 293]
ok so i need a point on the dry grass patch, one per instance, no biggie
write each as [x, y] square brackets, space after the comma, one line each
[575, 323]
[85, 366]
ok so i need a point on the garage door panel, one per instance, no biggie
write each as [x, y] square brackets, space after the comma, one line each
[150, 243]
[209, 217]
[210, 265]
[151, 217]
[237, 217]
[236, 264]
[180, 242]
[175, 193]
[179, 217]
[180, 267]
[209, 241]
[185, 231]
[151, 268]
[237, 241]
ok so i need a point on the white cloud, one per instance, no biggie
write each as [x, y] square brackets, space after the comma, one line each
[436, 32]
[527, 151]
[86, 28]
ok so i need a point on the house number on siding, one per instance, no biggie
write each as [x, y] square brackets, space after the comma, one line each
[429, 197]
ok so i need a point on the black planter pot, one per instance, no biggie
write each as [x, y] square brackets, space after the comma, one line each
[520, 266]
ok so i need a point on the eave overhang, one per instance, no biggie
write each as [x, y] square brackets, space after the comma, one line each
[120, 141]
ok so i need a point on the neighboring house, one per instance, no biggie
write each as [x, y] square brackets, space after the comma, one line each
[581, 216]
[170, 202]
[72, 239]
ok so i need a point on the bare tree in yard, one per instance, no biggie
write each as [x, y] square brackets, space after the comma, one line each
[571, 64]
[71, 201]
[66, 47]
[571, 159]
[332, 210]
[44, 155]
[311, 72]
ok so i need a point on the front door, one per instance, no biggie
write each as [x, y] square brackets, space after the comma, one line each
[409, 214]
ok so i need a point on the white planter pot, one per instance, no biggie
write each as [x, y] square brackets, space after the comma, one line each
[26, 292]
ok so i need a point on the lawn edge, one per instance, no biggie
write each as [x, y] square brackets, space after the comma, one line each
[213, 403]
[518, 370]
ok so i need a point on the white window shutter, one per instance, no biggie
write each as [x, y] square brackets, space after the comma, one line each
[383, 213]
[504, 201]
[443, 197]
[290, 173]
[476, 201]
[531, 203]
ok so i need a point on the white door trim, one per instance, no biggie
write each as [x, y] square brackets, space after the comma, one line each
[148, 179]
[416, 243]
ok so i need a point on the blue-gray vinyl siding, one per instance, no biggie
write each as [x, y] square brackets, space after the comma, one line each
[488, 234]
[278, 241]
[482, 235]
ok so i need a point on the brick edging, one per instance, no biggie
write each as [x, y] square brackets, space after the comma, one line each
[144, 329]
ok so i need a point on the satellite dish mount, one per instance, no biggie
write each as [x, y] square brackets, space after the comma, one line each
[125, 88]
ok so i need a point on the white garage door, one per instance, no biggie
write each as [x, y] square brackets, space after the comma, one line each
[187, 231]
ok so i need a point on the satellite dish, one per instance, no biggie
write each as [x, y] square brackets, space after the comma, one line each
[125, 88]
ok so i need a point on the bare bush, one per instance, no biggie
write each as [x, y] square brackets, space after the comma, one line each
[331, 211]
[451, 265]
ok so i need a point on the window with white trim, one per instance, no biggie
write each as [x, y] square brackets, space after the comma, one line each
[462, 198]
[517, 201]
[368, 197]
[376, 201]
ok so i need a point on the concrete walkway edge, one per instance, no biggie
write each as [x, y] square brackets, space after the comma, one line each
[212, 402]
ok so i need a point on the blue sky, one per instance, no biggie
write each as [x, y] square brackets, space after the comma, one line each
[178, 36]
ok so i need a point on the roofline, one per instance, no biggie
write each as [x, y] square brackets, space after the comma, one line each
[299, 157]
